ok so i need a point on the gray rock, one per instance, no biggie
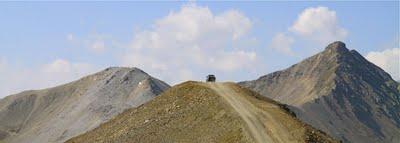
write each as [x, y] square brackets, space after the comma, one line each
[59, 113]
[339, 92]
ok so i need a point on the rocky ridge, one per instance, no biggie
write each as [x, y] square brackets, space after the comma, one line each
[206, 112]
[59, 113]
[339, 92]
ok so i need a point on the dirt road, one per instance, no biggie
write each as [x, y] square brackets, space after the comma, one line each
[262, 126]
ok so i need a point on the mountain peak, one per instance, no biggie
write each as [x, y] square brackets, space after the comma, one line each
[206, 112]
[340, 92]
[122, 69]
[99, 97]
[337, 46]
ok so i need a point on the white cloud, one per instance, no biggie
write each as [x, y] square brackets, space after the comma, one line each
[70, 37]
[319, 24]
[185, 74]
[388, 60]
[282, 43]
[3, 63]
[64, 67]
[192, 37]
[16, 78]
[98, 46]
[58, 65]
[95, 42]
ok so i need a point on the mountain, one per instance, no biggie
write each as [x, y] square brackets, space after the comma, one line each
[59, 113]
[206, 112]
[339, 92]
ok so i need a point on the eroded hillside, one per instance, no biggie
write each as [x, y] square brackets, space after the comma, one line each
[339, 92]
[57, 114]
[206, 112]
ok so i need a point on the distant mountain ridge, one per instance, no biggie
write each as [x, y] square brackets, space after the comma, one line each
[199, 112]
[59, 113]
[339, 92]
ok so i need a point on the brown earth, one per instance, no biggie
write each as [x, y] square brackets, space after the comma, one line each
[206, 112]
[339, 92]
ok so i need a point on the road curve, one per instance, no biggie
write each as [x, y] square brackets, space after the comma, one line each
[247, 111]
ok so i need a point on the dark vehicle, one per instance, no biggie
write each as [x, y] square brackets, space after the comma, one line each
[210, 78]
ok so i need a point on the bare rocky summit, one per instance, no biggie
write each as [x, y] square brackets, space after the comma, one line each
[59, 113]
[199, 112]
[339, 92]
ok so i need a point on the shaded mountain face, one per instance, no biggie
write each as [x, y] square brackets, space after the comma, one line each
[206, 112]
[339, 92]
[59, 113]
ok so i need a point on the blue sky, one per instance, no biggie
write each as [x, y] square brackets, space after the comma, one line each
[43, 44]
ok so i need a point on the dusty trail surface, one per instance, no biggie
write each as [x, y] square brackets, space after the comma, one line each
[199, 112]
[262, 126]
[339, 92]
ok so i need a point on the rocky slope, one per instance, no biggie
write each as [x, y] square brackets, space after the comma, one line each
[339, 92]
[206, 112]
[59, 113]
